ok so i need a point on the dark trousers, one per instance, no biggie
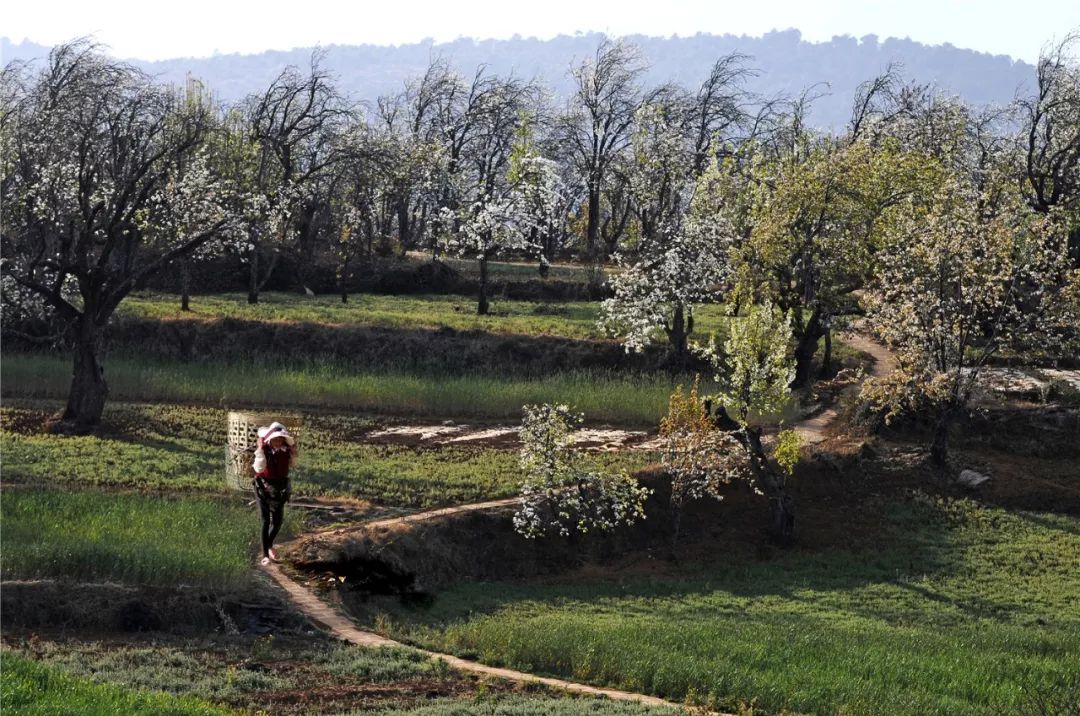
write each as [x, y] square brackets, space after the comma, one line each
[273, 512]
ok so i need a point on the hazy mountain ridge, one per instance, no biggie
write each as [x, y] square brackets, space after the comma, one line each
[786, 64]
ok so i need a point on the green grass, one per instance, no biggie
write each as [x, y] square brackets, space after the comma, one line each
[34, 689]
[567, 320]
[182, 448]
[957, 609]
[128, 538]
[216, 669]
[602, 396]
[213, 668]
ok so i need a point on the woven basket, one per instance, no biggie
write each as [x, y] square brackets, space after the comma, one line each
[243, 437]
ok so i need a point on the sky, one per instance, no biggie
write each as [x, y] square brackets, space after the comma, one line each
[151, 30]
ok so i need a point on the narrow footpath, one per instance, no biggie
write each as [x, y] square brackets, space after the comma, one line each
[812, 430]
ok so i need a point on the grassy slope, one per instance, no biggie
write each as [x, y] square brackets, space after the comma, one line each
[34, 689]
[137, 539]
[962, 610]
[182, 448]
[332, 677]
[630, 400]
[568, 320]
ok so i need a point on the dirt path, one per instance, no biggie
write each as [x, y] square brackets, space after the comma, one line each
[449, 434]
[341, 627]
[812, 430]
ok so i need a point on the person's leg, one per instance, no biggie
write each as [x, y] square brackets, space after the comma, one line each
[267, 539]
[277, 515]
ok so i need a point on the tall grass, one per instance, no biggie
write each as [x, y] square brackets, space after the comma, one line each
[32, 689]
[956, 610]
[602, 396]
[572, 319]
[129, 538]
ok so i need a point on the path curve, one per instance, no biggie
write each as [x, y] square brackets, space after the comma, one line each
[341, 627]
[812, 431]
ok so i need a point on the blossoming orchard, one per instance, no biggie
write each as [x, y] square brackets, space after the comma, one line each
[643, 375]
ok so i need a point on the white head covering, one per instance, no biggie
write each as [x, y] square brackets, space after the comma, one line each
[276, 430]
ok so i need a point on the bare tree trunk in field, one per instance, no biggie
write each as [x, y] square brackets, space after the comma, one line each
[86, 399]
[771, 482]
[344, 281]
[253, 278]
[592, 229]
[678, 335]
[482, 305]
[185, 285]
[939, 447]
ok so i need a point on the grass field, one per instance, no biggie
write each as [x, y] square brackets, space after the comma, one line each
[129, 538]
[32, 689]
[567, 320]
[269, 675]
[957, 609]
[603, 397]
[169, 447]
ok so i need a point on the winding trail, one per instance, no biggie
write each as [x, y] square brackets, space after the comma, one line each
[341, 627]
[812, 430]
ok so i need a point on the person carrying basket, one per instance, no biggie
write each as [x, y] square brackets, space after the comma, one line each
[275, 453]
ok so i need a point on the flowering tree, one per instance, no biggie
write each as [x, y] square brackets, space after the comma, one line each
[103, 187]
[963, 277]
[491, 207]
[561, 493]
[817, 219]
[685, 266]
[754, 372]
[698, 456]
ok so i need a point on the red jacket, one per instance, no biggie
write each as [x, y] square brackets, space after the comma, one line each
[277, 464]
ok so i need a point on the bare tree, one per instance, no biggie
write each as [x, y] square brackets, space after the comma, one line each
[596, 126]
[1051, 134]
[293, 125]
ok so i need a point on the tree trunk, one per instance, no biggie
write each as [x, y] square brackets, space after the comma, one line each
[769, 481]
[677, 335]
[826, 358]
[86, 399]
[185, 285]
[253, 278]
[939, 448]
[482, 303]
[676, 526]
[592, 229]
[344, 281]
[404, 233]
[805, 348]
[782, 519]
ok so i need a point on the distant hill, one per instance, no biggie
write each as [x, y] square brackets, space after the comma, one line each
[787, 65]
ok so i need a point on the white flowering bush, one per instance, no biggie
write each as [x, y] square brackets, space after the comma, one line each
[561, 493]
[698, 457]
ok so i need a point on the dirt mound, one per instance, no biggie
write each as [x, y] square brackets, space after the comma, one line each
[31, 604]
